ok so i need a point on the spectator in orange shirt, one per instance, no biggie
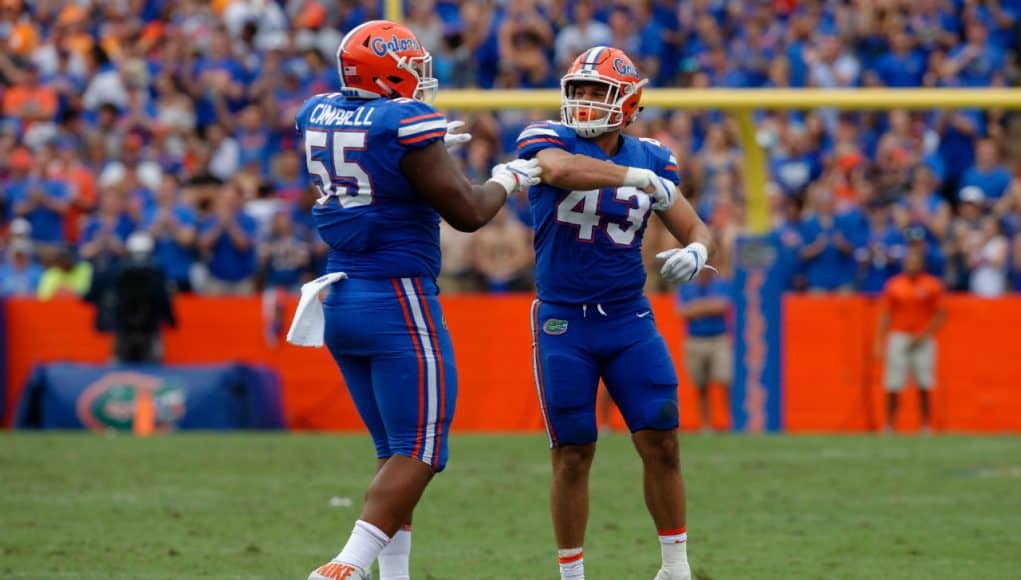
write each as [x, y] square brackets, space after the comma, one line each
[28, 100]
[912, 312]
[21, 34]
[67, 166]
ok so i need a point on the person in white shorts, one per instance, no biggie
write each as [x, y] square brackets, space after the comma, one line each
[912, 312]
[708, 353]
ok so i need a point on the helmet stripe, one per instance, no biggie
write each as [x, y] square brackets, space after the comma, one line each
[592, 58]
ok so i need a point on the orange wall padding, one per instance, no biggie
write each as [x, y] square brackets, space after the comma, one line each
[491, 336]
[833, 383]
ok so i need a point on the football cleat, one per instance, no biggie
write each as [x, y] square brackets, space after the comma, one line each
[339, 571]
[683, 574]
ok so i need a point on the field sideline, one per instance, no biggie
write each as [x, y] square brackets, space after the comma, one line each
[258, 506]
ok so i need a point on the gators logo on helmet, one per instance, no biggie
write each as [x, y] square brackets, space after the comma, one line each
[384, 59]
[611, 68]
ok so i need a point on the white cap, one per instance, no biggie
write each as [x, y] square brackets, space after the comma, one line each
[20, 227]
[139, 243]
[971, 194]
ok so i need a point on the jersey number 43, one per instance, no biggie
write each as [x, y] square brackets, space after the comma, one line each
[588, 219]
[326, 158]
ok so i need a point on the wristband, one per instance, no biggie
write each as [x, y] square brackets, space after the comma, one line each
[636, 177]
[507, 181]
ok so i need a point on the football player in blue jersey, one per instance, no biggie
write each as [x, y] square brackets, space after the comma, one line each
[375, 149]
[591, 319]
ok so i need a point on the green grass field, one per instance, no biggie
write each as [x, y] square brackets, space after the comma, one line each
[258, 506]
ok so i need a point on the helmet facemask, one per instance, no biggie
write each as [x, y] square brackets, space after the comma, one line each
[591, 118]
[421, 69]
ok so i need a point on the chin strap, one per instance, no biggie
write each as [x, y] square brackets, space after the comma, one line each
[402, 63]
[387, 89]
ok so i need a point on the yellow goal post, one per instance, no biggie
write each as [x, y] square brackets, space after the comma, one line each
[741, 103]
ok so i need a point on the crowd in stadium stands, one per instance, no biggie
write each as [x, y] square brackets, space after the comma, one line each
[177, 118]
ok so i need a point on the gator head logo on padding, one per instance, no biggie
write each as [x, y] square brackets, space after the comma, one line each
[555, 326]
[109, 403]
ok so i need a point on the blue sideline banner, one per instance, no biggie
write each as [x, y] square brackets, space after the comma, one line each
[3, 358]
[756, 393]
[101, 397]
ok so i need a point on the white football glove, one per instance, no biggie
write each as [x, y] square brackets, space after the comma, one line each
[662, 190]
[517, 174]
[683, 264]
[454, 140]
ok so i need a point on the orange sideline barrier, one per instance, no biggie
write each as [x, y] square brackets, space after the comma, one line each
[491, 335]
[833, 383]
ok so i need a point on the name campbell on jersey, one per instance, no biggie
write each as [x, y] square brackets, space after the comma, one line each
[375, 224]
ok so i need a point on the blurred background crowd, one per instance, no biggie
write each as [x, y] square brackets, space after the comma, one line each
[177, 119]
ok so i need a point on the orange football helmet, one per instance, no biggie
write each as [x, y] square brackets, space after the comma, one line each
[384, 59]
[611, 67]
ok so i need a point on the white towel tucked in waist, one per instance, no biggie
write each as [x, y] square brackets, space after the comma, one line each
[309, 323]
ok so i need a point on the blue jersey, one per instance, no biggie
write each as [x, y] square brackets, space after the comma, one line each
[588, 244]
[375, 224]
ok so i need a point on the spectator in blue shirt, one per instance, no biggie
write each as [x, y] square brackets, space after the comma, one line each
[284, 259]
[104, 234]
[651, 43]
[42, 202]
[68, 83]
[624, 34]
[987, 174]
[1001, 16]
[172, 226]
[959, 130]
[718, 70]
[305, 228]
[881, 257]
[19, 273]
[217, 80]
[227, 240]
[254, 140]
[528, 68]
[796, 46]
[1015, 264]
[901, 67]
[932, 26]
[924, 206]
[283, 256]
[289, 180]
[581, 35]
[935, 259]
[978, 63]
[965, 229]
[827, 252]
[754, 55]
[832, 65]
[704, 305]
[481, 25]
[787, 231]
[525, 39]
[794, 165]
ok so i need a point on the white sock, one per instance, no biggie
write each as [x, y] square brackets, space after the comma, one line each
[673, 545]
[365, 543]
[393, 560]
[572, 564]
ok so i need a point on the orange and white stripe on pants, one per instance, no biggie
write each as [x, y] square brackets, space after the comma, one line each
[431, 396]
